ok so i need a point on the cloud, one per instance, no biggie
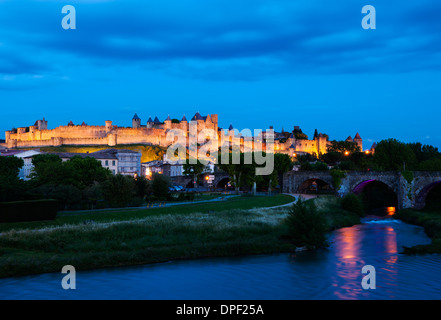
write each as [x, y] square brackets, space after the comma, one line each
[244, 40]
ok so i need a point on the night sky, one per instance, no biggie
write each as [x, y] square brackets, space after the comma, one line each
[255, 63]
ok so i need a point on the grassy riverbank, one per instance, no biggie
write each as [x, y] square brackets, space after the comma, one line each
[431, 221]
[239, 226]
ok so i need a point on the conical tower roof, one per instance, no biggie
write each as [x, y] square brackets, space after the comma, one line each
[197, 116]
[135, 117]
[357, 136]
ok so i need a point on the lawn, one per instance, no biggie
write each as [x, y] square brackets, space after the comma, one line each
[239, 226]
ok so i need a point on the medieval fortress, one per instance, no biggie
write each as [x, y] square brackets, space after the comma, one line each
[154, 132]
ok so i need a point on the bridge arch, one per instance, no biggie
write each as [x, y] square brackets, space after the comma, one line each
[377, 193]
[223, 183]
[314, 185]
[424, 192]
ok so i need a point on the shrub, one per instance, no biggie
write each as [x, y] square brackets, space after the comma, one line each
[307, 227]
[160, 185]
[24, 211]
[337, 177]
[352, 203]
[119, 190]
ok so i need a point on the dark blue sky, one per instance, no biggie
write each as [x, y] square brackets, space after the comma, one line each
[255, 63]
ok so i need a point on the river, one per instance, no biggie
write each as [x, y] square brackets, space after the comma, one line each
[331, 273]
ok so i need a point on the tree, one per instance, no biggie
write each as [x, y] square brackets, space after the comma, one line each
[392, 154]
[282, 163]
[194, 169]
[343, 147]
[241, 173]
[10, 166]
[433, 164]
[118, 190]
[48, 169]
[11, 187]
[332, 157]
[424, 152]
[92, 194]
[142, 186]
[160, 185]
[298, 134]
[317, 166]
[86, 170]
[307, 227]
[352, 203]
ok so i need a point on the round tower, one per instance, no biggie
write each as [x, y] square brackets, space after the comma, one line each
[108, 126]
[167, 123]
[359, 141]
[112, 140]
[136, 122]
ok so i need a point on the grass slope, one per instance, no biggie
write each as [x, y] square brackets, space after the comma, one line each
[235, 227]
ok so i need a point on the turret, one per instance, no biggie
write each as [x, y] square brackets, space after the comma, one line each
[150, 123]
[108, 126]
[184, 124]
[136, 122]
[359, 141]
[168, 123]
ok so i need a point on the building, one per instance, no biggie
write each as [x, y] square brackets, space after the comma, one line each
[150, 168]
[108, 160]
[129, 162]
[154, 132]
[27, 156]
[296, 142]
[158, 133]
[118, 161]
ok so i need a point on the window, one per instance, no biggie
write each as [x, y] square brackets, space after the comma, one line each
[107, 163]
[113, 163]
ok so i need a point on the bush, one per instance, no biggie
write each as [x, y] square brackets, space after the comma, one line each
[352, 203]
[24, 211]
[119, 190]
[307, 228]
[160, 185]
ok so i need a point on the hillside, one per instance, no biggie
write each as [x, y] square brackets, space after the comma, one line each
[149, 153]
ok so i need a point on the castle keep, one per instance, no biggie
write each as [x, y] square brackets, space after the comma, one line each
[154, 132]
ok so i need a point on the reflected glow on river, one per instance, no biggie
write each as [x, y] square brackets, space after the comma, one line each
[332, 273]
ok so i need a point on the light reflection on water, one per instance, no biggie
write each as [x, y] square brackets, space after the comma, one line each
[332, 273]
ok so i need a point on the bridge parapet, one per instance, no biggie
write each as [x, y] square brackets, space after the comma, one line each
[410, 193]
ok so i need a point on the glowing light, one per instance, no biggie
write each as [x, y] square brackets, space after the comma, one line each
[207, 178]
[367, 152]
[346, 153]
[391, 211]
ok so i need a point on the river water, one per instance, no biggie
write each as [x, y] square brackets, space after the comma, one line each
[331, 273]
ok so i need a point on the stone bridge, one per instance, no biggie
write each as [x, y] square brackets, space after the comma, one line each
[410, 194]
[219, 182]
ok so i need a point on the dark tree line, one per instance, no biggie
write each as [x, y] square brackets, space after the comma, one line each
[389, 155]
[80, 183]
